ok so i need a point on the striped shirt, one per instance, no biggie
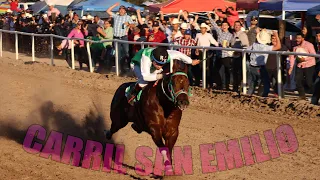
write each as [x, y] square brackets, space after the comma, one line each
[222, 36]
[119, 23]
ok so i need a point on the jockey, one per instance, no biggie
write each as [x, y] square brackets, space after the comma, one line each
[147, 66]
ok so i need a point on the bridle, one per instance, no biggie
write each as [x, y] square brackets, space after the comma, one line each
[173, 95]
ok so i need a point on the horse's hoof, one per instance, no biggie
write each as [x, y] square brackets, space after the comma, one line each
[168, 170]
[108, 134]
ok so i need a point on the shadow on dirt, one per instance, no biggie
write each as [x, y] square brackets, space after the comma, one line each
[60, 121]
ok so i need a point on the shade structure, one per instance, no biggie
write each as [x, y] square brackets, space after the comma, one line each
[299, 5]
[196, 5]
[271, 5]
[247, 4]
[314, 10]
[101, 5]
[43, 6]
[157, 7]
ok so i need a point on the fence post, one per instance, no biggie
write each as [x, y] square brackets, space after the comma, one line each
[33, 49]
[204, 68]
[89, 56]
[72, 53]
[142, 45]
[51, 49]
[171, 62]
[16, 39]
[244, 72]
[116, 44]
[279, 79]
[1, 43]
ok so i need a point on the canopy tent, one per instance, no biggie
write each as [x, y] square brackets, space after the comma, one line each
[101, 5]
[199, 6]
[247, 4]
[4, 7]
[314, 11]
[271, 5]
[62, 5]
[299, 5]
[157, 7]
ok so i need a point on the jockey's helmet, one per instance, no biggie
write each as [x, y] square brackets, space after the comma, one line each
[160, 55]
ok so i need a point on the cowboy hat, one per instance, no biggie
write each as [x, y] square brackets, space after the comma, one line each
[9, 11]
[263, 37]
[184, 26]
[89, 17]
[204, 25]
[175, 21]
[84, 18]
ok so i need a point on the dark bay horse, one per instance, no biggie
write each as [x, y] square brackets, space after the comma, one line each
[159, 110]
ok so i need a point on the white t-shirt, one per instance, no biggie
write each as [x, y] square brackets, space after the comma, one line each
[205, 40]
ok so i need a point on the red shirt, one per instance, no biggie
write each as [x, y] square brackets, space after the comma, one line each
[14, 6]
[158, 36]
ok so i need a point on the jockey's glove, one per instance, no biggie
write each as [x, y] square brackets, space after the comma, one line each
[159, 76]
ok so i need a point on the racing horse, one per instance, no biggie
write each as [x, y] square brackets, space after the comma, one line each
[158, 111]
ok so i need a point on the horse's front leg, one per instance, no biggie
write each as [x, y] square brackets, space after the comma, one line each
[172, 133]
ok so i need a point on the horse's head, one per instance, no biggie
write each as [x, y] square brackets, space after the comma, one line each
[179, 84]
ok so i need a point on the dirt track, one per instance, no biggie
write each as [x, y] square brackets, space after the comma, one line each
[70, 101]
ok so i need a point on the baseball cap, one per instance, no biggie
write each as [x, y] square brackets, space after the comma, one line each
[122, 7]
[155, 24]
[188, 32]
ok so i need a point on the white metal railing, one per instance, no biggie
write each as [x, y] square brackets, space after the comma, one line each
[117, 41]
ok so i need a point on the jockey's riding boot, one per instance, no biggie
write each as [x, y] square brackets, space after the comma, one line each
[133, 94]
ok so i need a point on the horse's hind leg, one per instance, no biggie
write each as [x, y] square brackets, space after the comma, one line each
[116, 125]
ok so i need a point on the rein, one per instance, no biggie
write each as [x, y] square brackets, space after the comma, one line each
[173, 95]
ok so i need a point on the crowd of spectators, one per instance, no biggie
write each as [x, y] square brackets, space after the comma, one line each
[222, 28]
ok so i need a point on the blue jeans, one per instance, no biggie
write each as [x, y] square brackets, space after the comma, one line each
[123, 53]
[258, 73]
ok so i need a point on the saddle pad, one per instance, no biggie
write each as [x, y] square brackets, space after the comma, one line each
[127, 91]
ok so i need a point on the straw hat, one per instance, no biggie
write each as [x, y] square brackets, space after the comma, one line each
[175, 21]
[204, 25]
[184, 26]
[9, 11]
[28, 15]
[301, 50]
[263, 37]
[89, 17]
[44, 15]
[50, 4]
[84, 18]
[133, 17]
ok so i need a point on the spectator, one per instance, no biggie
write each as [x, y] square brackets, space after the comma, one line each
[52, 10]
[121, 24]
[316, 92]
[271, 66]
[305, 65]
[175, 30]
[98, 21]
[252, 33]
[156, 35]
[257, 67]
[187, 41]
[240, 40]
[204, 39]
[14, 5]
[223, 57]
[231, 15]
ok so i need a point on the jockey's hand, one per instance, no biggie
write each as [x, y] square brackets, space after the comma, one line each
[195, 62]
